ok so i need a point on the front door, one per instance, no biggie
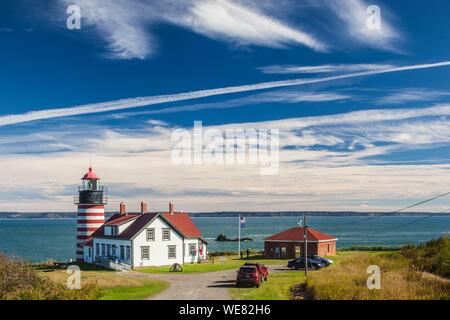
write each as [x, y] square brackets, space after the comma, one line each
[298, 252]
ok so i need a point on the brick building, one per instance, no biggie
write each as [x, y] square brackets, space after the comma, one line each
[290, 244]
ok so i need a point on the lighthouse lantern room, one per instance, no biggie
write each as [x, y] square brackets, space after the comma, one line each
[91, 201]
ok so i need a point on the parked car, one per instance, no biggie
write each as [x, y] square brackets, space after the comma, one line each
[325, 261]
[248, 275]
[300, 264]
[262, 269]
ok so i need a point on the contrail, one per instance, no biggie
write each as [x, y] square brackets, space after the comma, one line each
[152, 100]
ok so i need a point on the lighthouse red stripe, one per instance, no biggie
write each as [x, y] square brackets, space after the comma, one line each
[96, 221]
[87, 229]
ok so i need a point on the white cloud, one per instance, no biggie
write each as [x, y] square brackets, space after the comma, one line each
[327, 68]
[326, 166]
[244, 24]
[354, 14]
[411, 95]
[126, 25]
[153, 100]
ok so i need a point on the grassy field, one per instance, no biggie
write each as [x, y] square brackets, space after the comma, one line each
[277, 288]
[347, 279]
[113, 285]
[140, 292]
[219, 264]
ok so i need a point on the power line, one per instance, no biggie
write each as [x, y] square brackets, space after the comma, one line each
[417, 220]
[393, 212]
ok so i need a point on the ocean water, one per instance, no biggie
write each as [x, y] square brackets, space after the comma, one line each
[43, 239]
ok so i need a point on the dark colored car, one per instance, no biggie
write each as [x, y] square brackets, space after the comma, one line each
[249, 276]
[326, 262]
[262, 269]
[300, 264]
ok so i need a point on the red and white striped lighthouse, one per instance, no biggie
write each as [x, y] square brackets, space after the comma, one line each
[91, 202]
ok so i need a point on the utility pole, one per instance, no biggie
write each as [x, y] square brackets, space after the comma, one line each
[305, 234]
[239, 235]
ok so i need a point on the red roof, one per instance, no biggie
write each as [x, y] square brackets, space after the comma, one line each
[137, 225]
[297, 234]
[183, 223]
[180, 221]
[118, 219]
[90, 175]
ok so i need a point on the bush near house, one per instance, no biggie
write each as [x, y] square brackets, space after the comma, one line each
[19, 281]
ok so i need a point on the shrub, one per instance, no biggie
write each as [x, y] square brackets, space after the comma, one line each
[19, 281]
[433, 256]
[346, 280]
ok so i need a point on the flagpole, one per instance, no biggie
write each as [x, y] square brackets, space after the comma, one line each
[239, 235]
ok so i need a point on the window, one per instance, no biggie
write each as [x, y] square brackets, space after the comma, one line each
[166, 234]
[108, 249]
[103, 250]
[172, 250]
[122, 252]
[114, 247]
[114, 231]
[145, 253]
[283, 251]
[151, 234]
[90, 252]
[192, 249]
[97, 249]
[128, 256]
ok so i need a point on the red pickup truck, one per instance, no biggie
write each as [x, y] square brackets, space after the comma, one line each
[262, 269]
[248, 275]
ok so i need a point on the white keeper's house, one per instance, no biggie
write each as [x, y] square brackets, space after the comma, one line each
[133, 240]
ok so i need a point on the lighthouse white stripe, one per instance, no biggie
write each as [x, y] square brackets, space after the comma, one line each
[97, 218]
[96, 224]
[93, 210]
[84, 233]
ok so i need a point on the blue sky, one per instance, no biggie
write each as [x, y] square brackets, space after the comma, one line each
[372, 142]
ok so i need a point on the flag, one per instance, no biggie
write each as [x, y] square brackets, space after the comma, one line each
[243, 222]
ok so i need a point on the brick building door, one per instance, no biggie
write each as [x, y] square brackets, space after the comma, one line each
[298, 252]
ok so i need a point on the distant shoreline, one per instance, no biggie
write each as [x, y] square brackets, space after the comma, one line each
[224, 214]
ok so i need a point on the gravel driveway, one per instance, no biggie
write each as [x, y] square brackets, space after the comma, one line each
[197, 286]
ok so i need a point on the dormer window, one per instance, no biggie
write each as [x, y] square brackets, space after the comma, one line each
[114, 230]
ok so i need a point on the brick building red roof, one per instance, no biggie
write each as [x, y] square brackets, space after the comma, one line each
[183, 223]
[297, 234]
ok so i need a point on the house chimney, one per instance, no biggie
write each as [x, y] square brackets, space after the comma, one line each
[144, 207]
[123, 209]
[170, 207]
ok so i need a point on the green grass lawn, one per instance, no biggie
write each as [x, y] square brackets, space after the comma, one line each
[277, 288]
[141, 292]
[224, 263]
